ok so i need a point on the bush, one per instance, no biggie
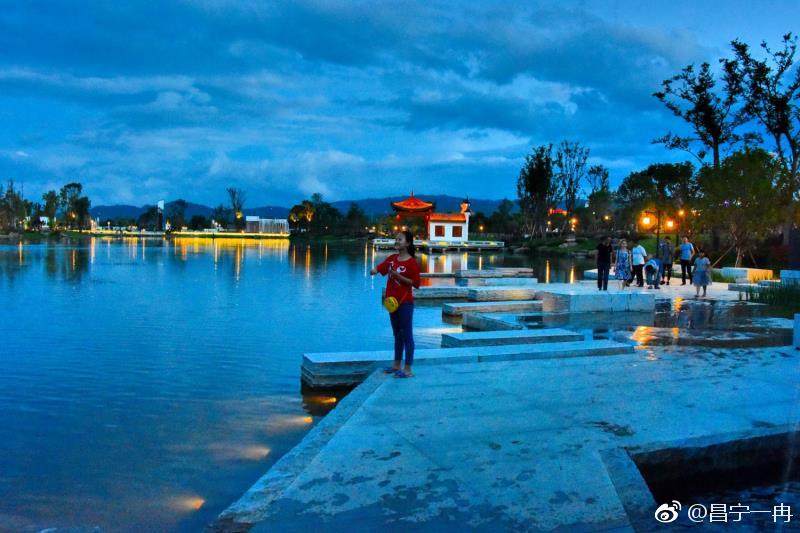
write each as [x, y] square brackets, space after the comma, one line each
[785, 297]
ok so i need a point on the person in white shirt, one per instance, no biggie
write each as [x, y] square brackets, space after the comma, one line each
[639, 258]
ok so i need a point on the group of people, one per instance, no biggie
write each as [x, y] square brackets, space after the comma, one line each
[636, 265]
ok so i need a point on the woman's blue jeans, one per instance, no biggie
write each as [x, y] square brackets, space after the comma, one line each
[403, 332]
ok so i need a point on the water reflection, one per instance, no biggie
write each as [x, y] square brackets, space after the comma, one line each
[72, 261]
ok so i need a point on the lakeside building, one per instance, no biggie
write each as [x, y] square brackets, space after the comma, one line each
[256, 224]
[452, 227]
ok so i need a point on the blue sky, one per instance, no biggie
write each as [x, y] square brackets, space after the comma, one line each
[150, 100]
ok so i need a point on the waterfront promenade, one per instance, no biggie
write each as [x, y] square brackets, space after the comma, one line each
[514, 445]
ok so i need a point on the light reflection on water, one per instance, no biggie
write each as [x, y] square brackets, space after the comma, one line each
[147, 383]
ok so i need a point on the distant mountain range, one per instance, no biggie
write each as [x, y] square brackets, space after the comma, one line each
[371, 206]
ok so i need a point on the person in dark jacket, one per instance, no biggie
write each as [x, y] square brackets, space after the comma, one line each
[603, 263]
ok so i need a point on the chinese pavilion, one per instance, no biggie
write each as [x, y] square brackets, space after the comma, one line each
[441, 226]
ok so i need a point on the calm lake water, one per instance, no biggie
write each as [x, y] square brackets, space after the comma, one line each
[146, 384]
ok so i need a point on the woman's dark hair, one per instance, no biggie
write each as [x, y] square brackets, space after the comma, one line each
[410, 240]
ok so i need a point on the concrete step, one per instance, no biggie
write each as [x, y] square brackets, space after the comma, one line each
[516, 336]
[509, 282]
[493, 273]
[459, 308]
[446, 291]
[345, 369]
[489, 322]
[746, 275]
[517, 270]
[496, 294]
[578, 298]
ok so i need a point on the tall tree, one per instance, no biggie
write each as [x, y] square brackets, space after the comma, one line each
[713, 117]
[772, 97]
[356, 218]
[50, 209]
[67, 196]
[597, 176]
[537, 188]
[661, 188]
[741, 196]
[176, 213]
[81, 207]
[570, 164]
[220, 215]
[502, 220]
[237, 197]
[12, 207]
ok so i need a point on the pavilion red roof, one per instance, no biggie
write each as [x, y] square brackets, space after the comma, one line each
[412, 204]
[447, 217]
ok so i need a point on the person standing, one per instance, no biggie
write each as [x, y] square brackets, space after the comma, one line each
[403, 273]
[687, 251]
[638, 259]
[603, 263]
[666, 253]
[622, 266]
[702, 273]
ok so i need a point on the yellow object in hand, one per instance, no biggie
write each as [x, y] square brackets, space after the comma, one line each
[391, 304]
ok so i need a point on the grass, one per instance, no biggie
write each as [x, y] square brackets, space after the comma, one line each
[784, 297]
[717, 277]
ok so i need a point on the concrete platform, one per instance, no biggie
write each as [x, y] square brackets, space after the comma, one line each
[459, 308]
[746, 274]
[489, 322]
[441, 292]
[496, 294]
[509, 282]
[513, 270]
[797, 331]
[789, 277]
[524, 336]
[343, 369]
[513, 446]
[580, 298]
[493, 273]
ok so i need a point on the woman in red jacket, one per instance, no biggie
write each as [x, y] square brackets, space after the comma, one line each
[403, 273]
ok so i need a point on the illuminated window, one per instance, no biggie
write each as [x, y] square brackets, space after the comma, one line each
[457, 231]
[438, 231]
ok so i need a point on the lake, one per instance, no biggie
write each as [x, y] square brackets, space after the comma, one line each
[147, 383]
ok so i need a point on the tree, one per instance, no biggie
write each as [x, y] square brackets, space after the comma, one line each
[199, 222]
[176, 213]
[149, 218]
[712, 117]
[741, 196]
[570, 164]
[661, 188]
[67, 196]
[220, 215]
[356, 218]
[50, 209]
[80, 208]
[772, 97]
[12, 207]
[237, 198]
[597, 176]
[537, 189]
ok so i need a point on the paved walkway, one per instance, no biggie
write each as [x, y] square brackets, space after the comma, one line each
[715, 291]
[513, 446]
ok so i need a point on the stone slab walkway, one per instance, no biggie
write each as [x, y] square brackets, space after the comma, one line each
[514, 446]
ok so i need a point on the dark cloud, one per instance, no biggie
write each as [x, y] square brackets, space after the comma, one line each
[350, 97]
